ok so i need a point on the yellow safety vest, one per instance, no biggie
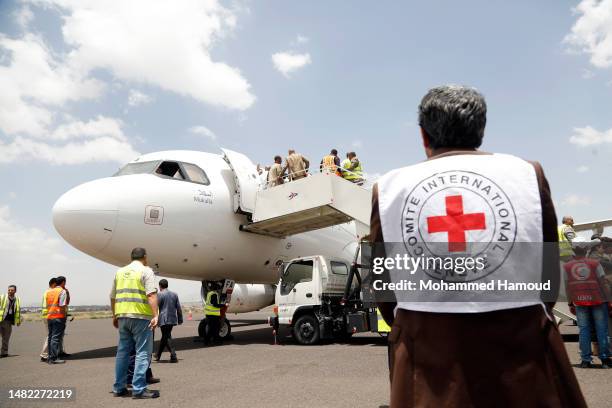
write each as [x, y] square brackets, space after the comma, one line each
[131, 296]
[4, 304]
[209, 309]
[383, 327]
[44, 311]
[354, 174]
[565, 246]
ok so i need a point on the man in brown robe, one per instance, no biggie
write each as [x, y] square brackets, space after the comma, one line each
[503, 358]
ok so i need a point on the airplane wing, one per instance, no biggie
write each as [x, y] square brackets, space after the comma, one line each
[596, 226]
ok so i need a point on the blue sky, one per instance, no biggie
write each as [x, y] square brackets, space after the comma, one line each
[87, 85]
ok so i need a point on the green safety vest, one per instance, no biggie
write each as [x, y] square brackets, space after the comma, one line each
[354, 174]
[4, 304]
[44, 311]
[565, 246]
[209, 309]
[131, 296]
[346, 163]
[383, 327]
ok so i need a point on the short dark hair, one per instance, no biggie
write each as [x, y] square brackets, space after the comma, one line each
[453, 116]
[163, 283]
[580, 250]
[334, 151]
[13, 286]
[278, 158]
[60, 279]
[138, 254]
[52, 281]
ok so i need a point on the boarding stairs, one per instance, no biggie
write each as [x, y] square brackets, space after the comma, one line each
[317, 201]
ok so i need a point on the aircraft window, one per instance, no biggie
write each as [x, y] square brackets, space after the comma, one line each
[338, 268]
[137, 168]
[195, 174]
[297, 272]
[170, 169]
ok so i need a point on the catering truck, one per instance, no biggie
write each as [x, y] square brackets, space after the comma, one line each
[319, 298]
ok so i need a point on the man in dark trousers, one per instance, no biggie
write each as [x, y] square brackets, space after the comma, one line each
[212, 310]
[491, 348]
[170, 314]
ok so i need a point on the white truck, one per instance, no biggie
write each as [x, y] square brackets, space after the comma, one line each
[319, 298]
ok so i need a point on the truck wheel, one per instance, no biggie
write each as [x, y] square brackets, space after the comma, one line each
[225, 329]
[306, 330]
[202, 328]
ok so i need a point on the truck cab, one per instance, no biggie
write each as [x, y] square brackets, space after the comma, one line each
[311, 300]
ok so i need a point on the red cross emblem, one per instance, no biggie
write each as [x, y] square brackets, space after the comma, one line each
[455, 223]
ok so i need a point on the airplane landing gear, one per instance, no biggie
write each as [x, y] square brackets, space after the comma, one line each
[224, 288]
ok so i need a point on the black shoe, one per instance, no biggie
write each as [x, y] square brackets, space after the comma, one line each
[65, 355]
[58, 361]
[43, 360]
[606, 363]
[586, 364]
[173, 359]
[157, 358]
[124, 392]
[146, 394]
[152, 380]
[3, 355]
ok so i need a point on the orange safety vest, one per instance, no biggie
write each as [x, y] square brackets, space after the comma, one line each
[329, 163]
[583, 287]
[54, 311]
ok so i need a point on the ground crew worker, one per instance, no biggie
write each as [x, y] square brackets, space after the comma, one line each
[134, 306]
[566, 236]
[355, 171]
[275, 174]
[212, 310]
[588, 292]
[10, 315]
[57, 307]
[62, 353]
[331, 163]
[44, 354]
[442, 345]
[345, 164]
[296, 165]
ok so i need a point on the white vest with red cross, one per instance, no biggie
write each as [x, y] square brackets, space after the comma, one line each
[465, 204]
[583, 287]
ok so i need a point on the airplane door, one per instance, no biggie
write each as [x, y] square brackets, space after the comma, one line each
[247, 180]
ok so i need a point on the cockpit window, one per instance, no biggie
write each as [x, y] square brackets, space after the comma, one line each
[195, 174]
[170, 169]
[138, 168]
[175, 170]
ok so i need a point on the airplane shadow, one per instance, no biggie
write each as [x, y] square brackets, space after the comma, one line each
[262, 335]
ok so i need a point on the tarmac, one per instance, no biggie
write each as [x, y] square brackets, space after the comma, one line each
[249, 371]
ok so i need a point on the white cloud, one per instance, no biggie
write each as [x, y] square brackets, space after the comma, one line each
[588, 74]
[587, 136]
[34, 84]
[288, 62]
[582, 169]
[203, 131]
[16, 239]
[574, 200]
[136, 98]
[101, 149]
[357, 144]
[301, 39]
[12, 195]
[592, 31]
[24, 16]
[163, 43]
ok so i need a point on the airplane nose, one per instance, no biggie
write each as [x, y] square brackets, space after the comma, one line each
[86, 216]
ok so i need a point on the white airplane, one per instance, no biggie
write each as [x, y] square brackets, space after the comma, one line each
[186, 209]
